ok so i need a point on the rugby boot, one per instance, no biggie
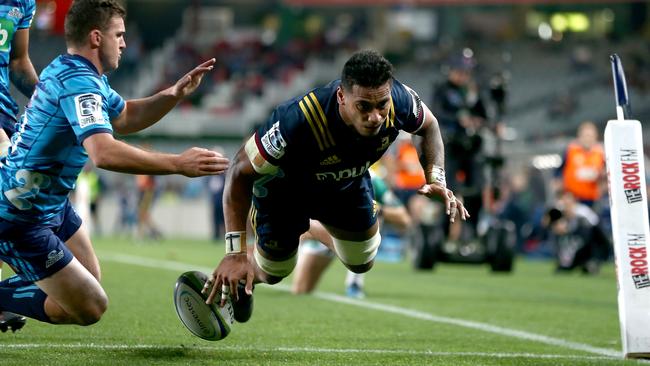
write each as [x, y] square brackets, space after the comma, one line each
[11, 321]
[243, 308]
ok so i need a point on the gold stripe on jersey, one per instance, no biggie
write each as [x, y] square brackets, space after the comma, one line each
[322, 118]
[317, 120]
[252, 215]
[311, 124]
[390, 121]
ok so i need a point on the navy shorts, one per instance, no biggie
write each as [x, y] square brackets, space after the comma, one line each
[280, 218]
[37, 251]
[8, 124]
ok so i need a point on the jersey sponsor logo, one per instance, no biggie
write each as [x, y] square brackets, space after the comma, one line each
[89, 109]
[343, 173]
[273, 142]
[53, 257]
[331, 160]
[31, 184]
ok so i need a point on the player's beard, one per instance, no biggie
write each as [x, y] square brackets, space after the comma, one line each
[109, 63]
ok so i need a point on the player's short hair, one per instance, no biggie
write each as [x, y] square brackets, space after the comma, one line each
[86, 15]
[366, 68]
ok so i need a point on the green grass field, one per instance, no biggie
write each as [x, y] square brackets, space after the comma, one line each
[455, 315]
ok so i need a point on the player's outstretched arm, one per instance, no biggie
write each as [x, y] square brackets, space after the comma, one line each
[237, 197]
[432, 159]
[110, 154]
[139, 114]
[22, 73]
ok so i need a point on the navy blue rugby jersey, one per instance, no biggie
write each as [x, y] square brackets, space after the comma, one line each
[312, 147]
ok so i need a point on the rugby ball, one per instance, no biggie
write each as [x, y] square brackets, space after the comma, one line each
[210, 322]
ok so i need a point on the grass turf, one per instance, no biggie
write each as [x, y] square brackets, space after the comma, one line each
[409, 318]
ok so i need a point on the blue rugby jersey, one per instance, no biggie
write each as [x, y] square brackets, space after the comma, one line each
[315, 150]
[71, 102]
[14, 15]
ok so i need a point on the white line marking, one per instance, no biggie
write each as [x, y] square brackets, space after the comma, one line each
[519, 334]
[120, 347]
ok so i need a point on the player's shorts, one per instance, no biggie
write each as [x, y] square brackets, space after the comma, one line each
[37, 251]
[8, 124]
[283, 215]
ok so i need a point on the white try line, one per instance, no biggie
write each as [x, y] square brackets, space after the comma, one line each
[158, 347]
[519, 334]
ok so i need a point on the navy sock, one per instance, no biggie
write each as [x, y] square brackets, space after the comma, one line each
[24, 300]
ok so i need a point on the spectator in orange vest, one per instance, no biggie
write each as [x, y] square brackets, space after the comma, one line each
[582, 171]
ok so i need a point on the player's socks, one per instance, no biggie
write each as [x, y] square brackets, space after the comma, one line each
[25, 300]
[354, 285]
[243, 308]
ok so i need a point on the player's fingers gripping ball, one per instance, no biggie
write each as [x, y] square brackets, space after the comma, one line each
[225, 291]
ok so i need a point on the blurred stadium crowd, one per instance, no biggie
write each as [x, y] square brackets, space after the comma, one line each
[539, 70]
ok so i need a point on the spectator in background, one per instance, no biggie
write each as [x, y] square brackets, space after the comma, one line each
[582, 172]
[461, 114]
[146, 185]
[95, 187]
[404, 169]
[576, 236]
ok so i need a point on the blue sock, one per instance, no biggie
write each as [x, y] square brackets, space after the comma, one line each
[24, 300]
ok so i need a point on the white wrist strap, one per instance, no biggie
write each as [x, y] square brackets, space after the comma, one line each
[234, 240]
[437, 176]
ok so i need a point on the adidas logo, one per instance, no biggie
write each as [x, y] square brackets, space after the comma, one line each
[330, 160]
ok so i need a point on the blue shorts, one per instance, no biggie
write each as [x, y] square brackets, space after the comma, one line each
[37, 251]
[283, 215]
[8, 124]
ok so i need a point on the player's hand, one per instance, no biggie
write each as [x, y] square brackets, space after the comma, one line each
[190, 81]
[197, 162]
[231, 269]
[453, 207]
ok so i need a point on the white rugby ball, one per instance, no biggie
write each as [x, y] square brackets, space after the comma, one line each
[209, 322]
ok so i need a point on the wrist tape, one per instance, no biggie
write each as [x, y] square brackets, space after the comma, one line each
[235, 242]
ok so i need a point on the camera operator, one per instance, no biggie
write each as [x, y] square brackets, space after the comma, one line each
[461, 114]
[575, 235]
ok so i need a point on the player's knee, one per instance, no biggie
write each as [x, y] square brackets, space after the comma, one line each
[358, 256]
[274, 271]
[92, 310]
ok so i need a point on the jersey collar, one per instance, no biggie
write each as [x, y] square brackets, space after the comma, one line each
[84, 61]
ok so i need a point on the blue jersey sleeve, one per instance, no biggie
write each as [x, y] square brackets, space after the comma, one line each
[115, 104]
[88, 107]
[28, 14]
[408, 107]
